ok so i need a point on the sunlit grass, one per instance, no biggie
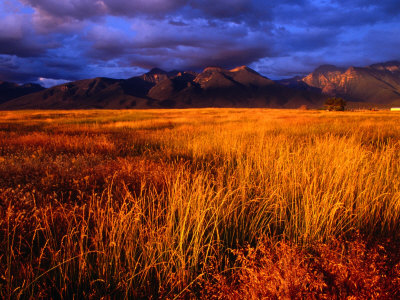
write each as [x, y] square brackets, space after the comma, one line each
[151, 203]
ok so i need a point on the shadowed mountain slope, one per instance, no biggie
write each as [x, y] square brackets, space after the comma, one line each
[9, 90]
[214, 87]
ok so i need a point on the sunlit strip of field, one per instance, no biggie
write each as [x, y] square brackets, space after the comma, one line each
[167, 203]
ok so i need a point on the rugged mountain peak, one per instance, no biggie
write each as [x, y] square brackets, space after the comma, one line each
[156, 71]
[243, 68]
[214, 77]
[249, 77]
[328, 68]
[323, 76]
[213, 69]
[154, 76]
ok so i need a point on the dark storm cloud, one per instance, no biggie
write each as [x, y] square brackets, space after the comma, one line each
[74, 39]
[148, 7]
[24, 69]
[20, 47]
[252, 13]
[196, 59]
[17, 38]
[195, 46]
[79, 9]
[86, 9]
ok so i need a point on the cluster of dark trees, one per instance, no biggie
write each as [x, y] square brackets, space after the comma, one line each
[335, 104]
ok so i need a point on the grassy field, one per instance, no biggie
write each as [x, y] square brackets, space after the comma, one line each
[207, 203]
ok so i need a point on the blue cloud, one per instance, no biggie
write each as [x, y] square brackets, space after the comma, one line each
[75, 39]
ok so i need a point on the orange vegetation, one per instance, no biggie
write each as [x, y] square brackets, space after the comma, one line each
[209, 203]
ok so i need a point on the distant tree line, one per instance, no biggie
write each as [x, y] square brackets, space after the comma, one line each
[335, 104]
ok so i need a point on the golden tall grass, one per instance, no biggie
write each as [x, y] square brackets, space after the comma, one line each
[161, 203]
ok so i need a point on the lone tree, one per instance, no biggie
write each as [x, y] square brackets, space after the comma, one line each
[335, 104]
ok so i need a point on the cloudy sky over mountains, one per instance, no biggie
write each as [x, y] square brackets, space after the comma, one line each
[50, 41]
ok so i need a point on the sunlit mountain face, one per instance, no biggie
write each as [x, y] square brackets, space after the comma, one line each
[51, 42]
[378, 83]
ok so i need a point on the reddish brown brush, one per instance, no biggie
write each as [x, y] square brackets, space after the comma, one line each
[340, 269]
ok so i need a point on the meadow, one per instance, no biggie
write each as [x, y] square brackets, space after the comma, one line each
[199, 203]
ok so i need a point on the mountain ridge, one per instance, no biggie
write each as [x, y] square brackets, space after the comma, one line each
[377, 83]
[213, 87]
[11, 90]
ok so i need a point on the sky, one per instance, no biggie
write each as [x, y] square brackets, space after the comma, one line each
[54, 41]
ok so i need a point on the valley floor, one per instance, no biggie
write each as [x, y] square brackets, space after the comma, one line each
[206, 203]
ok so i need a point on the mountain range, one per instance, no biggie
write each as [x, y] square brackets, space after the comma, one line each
[214, 87]
[378, 84]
